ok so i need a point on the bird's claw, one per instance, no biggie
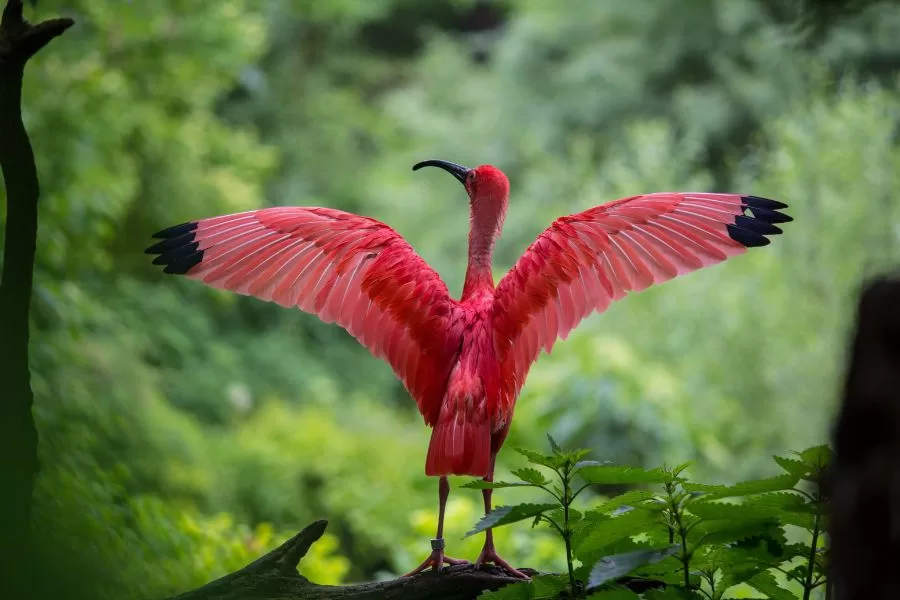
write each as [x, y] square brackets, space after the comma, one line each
[489, 555]
[436, 560]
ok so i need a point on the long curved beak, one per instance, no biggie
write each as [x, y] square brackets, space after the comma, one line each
[458, 171]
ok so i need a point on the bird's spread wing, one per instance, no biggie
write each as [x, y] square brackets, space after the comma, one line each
[344, 268]
[583, 262]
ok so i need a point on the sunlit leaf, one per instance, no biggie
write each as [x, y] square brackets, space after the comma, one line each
[745, 488]
[598, 531]
[608, 475]
[531, 476]
[504, 515]
[554, 462]
[629, 498]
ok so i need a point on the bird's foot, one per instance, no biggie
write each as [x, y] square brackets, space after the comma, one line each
[436, 560]
[489, 555]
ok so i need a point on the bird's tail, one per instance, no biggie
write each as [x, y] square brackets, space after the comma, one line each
[461, 440]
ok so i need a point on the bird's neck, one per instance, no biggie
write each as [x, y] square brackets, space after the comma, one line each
[486, 223]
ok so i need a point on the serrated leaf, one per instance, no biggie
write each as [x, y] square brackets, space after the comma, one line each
[765, 584]
[480, 484]
[554, 447]
[744, 488]
[554, 462]
[630, 498]
[792, 466]
[504, 515]
[817, 457]
[613, 567]
[597, 533]
[621, 594]
[617, 475]
[725, 531]
[736, 512]
[673, 593]
[531, 476]
[676, 471]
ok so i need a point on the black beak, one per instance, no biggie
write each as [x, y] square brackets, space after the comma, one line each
[458, 171]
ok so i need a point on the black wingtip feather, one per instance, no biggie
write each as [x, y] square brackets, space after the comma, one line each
[761, 202]
[182, 265]
[748, 238]
[751, 229]
[177, 251]
[176, 230]
[756, 225]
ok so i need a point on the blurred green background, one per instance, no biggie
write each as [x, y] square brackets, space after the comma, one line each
[183, 431]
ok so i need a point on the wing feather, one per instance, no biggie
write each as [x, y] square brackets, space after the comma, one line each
[347, 269]
[584, 262]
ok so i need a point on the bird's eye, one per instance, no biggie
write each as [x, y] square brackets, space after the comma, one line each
[470, 178]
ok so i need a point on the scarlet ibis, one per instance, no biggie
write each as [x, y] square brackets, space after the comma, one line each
[464, 361]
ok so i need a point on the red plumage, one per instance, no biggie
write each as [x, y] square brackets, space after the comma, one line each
[465, 361]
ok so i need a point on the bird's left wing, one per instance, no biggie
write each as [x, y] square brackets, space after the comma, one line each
[583, 262]
[344, 268]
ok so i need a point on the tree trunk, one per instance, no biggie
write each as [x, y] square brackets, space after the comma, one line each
[864, 482]
[19, 41]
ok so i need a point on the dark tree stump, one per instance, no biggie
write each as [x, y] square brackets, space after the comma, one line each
[864, 483]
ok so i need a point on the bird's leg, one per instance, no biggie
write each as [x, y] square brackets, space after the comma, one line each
[437, 557]
[488, 552]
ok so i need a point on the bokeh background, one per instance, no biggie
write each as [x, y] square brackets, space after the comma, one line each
[184, 431]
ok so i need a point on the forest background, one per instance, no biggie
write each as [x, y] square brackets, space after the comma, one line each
[191, 430]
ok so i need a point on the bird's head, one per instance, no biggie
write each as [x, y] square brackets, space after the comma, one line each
[485, 184]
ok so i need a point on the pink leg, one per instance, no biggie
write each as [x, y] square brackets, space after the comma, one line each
[437, 557]
[488, 552]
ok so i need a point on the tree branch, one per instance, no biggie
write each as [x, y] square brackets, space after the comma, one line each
[19, 41]
[275, 577]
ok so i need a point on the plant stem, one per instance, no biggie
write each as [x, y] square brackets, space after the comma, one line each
[567, 532]
[682, 533]
[808, 586]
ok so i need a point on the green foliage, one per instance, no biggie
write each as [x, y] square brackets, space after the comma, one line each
[152, 391]
[705, 541]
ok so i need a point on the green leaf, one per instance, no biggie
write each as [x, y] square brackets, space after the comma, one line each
[792, 466]
[554, 462]
[725, 531]
[513, 591]
[480, 484]
[630, 498]
[531, 476]
[592, 463]
[745, 488]
[765, 583]
[548, 586]
[608, 474]
[817, 457]
[676, 471]
[613, 567]
[599, 531]
[620, 594]
[554, 447]
[504, 515]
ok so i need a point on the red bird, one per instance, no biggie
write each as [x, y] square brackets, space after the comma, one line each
[464, 361]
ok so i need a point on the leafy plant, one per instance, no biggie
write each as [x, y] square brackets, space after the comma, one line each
[680, 540]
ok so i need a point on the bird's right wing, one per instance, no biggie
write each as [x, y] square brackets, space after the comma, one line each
[344, 268]
[585, 261]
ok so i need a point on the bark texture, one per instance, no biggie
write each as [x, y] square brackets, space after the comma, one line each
[19, 41]
[275, 577]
